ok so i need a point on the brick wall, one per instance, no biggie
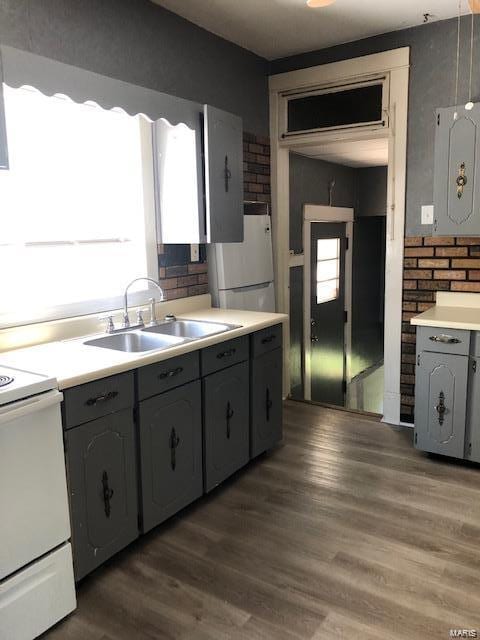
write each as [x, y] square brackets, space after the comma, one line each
[181, 278]
[431, 265]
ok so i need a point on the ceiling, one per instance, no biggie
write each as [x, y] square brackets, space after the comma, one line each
[357, 154]
[278, 28]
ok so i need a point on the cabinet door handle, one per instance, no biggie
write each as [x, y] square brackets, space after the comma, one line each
[226, 354]
[268, 404]
[440, 408]
[171, 373]
[445, 339]
[228, 175]
[269, 339]
[229, 416]
[105, 397]
[174, 441]
[107, 494]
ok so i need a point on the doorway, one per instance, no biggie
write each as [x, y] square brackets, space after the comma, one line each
[391, 69]
[341, 267]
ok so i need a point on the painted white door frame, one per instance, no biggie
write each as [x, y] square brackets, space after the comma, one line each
[316, 213]
[396, 64]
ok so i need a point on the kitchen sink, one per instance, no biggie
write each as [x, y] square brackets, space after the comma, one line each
[135, 342]
[189, 329]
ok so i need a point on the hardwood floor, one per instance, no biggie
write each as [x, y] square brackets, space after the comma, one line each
[345, 531]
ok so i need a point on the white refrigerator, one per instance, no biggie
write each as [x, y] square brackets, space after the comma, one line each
[241, 273]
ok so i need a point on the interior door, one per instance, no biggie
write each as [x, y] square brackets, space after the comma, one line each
[328, 247]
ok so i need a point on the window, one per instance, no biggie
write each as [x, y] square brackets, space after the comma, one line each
[328, 269]
[76, 207]
[337, 107]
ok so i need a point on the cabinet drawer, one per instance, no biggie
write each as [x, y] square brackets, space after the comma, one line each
[162, 376]
[438, 340]
[224, 355]
[96, 399]
[266, 340]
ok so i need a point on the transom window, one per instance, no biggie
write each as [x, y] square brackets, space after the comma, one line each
[328, 269]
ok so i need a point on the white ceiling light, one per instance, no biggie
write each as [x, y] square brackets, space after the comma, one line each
[315, 4]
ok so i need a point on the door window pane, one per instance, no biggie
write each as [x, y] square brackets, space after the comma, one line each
[328, 269]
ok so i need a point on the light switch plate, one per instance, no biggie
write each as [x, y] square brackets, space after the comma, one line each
[194, 253]
[427, 214]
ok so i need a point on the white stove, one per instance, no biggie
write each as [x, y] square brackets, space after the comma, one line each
[16, 384]
[37, 588]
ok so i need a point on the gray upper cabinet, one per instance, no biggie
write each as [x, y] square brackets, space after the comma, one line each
[223, 175]
[101, 463]
[457, 179]
[170, 436]
[226, 423]
[441, 403]
[3, 128]
[198, 168]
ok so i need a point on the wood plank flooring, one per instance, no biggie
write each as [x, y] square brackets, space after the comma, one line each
[345, 531]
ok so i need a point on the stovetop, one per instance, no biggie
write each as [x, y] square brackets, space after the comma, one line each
[16, 384]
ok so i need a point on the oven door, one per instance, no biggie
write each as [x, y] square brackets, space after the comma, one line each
[33, 492]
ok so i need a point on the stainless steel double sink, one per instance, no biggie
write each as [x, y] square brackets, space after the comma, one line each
[162, 336]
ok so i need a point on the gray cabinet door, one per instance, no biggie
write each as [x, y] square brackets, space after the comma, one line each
[223, 175]
[103, 489]
[472, 439]
[170, 430]
[456, 184]
[226, 423]
[3, 128]
[440, 403]
[266, 402]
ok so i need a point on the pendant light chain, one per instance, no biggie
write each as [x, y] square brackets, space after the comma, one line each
[458, 51]
[471, 59]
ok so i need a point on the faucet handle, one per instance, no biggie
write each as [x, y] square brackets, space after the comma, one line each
[140, 317]
[109, 325]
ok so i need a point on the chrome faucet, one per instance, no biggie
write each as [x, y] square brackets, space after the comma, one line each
[153, 320]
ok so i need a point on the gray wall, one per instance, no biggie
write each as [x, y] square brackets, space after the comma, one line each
[309, 180]
[371, 192]
[432, 84]
[139, 42]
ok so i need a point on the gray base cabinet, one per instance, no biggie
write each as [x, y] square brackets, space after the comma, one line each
[103, 489]
[441, 414]
[170, 438]
[265, 402]
[141, 446]
[226, 423]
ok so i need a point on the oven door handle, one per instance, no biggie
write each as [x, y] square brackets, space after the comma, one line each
[31, 405]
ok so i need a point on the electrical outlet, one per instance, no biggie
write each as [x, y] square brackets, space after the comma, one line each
[194, 253]
[427, 214]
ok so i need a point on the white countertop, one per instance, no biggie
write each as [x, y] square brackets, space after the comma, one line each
[73, 363]
[452, 311]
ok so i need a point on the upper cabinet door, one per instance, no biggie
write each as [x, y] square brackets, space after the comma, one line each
[223, 175]
[3, 128]
[456, 188]
[179, 184]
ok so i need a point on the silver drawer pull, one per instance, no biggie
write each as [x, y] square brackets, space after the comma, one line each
[444, 339]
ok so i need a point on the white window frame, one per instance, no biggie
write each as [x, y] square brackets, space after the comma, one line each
[286, 97]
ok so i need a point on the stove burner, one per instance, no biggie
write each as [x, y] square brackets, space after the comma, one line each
[4, 380]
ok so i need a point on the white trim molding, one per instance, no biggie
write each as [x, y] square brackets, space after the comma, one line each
[395, 64]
